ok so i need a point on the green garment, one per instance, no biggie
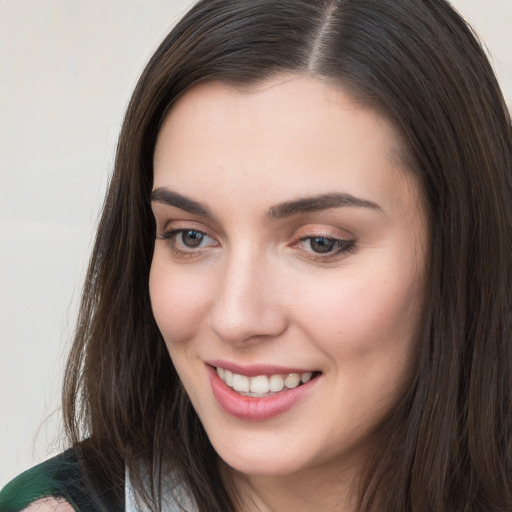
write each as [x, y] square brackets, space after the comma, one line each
[61, 476]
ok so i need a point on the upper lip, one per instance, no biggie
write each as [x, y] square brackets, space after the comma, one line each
[253, 370]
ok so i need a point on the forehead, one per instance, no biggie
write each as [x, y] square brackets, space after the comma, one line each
[293, 131]
[281, 100]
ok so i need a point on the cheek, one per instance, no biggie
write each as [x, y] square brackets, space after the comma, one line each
[368, 315]
[179, 304]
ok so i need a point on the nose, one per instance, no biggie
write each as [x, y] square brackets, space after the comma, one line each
[247, 306]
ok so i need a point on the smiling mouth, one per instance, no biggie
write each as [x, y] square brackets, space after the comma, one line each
[262, 386]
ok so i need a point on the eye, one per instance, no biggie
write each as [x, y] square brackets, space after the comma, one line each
[192, 238]
[323, 247]
[187, 242]
[321, 244]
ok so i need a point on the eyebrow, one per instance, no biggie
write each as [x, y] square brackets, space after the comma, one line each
[319, 203]
[279, 211]
[166, 196]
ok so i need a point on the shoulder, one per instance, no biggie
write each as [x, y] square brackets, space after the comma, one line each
[49, 505]
[42, 481]
[58, 484]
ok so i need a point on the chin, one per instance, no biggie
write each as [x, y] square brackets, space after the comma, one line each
[261, 464]
[270, 456]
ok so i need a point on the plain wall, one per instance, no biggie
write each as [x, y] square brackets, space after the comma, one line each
[67, 69]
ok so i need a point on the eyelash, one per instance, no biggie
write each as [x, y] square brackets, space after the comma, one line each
[342, 246]
[170, 237]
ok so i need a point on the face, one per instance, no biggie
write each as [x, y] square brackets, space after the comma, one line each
[288, 270]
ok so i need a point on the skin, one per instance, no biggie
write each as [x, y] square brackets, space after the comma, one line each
[257, 291]
[49, 505]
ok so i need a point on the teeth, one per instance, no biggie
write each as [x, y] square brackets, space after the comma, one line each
[241, 383]
[276, 383]
[259, 384]
[228, 378]
[306, 377]
[262, 384]
[292, 380]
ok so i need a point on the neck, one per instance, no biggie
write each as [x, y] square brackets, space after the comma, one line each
[306, 491]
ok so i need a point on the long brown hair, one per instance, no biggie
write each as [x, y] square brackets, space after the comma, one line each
[448, 444]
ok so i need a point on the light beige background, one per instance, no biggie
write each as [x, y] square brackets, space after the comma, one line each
[67, 68]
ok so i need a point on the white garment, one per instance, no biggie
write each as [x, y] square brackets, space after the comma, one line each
[169, 503]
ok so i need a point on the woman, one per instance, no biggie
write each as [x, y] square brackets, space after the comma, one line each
[310, 214]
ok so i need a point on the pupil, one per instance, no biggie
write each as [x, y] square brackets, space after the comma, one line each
[322, 244]
[192, 238]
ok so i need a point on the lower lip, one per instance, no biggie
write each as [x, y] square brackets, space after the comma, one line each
[256, 409]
